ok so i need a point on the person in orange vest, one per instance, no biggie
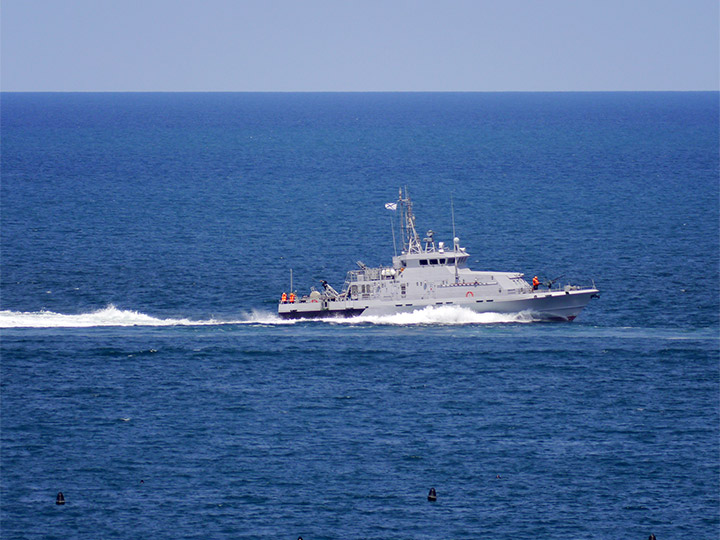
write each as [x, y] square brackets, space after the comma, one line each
[536, 283]
[292, 298]
[283, 299]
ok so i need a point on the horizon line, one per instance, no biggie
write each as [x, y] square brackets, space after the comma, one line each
[348, 91]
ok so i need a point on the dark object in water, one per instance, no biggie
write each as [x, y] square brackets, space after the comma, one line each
[432, 496]
[652, 537]
[60, 498]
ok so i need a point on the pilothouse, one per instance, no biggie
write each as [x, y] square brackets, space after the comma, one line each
[429, 274]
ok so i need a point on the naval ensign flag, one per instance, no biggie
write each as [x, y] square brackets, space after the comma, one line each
[391, 206]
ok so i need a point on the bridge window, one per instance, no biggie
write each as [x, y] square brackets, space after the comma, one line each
[451, 260]
[423, 262]
[433, 261]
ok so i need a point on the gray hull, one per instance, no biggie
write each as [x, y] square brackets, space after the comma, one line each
[544, 305]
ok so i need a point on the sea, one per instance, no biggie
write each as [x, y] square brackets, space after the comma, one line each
[146, 239]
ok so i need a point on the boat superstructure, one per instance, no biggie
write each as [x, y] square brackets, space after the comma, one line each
[429, 273]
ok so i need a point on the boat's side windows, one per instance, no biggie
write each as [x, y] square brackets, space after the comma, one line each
[442, 261]
[451, 260]
[404, 264]
[423, 262]
[433, 261]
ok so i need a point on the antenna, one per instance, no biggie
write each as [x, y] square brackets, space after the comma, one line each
[291, 283]
[392, 226]
[452, 211]
[401, 202]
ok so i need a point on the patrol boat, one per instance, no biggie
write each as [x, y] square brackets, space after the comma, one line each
[429, 274]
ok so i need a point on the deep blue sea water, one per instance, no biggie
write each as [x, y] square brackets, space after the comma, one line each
[146, 238]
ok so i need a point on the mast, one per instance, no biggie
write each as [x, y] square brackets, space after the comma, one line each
[411, 240]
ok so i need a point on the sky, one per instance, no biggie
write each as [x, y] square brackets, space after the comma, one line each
[359, 45]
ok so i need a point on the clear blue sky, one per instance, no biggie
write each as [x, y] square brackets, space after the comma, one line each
[359, 45]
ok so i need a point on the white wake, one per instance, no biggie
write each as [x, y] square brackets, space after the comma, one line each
[445, 315]
[109, 316]
[112, 316]
[431, 315]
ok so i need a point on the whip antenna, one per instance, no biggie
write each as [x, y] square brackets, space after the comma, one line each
[392, 226]
[455, 244]
[452, 211]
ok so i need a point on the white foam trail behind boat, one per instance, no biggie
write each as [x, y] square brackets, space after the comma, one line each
[111, 316]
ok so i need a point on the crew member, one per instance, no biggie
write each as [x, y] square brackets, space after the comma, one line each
[284, 298]
[292, 297]
[536, 283]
